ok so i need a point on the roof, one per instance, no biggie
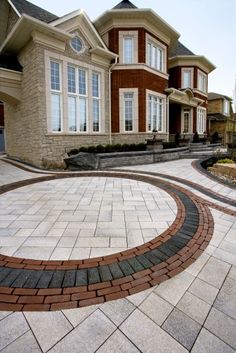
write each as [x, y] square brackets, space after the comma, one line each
[212, 96]
[125, 4]
[217, 116]
[180, 49]
[26, 7]
[10, 62]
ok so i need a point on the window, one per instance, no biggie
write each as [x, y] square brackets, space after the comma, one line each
[186, 120]
[201, 120]
[155, 113]
[55, 97]
[226, 107]
[77, 44]
[202, 81]
[74, 96]
[128, 49]
[128, 111]
[187, 78]
[155, 54]
[55, 76]
[96, 101]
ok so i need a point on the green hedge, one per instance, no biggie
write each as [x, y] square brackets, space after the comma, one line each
[109, 148]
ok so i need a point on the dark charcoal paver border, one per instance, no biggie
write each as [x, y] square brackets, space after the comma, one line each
[55, 285]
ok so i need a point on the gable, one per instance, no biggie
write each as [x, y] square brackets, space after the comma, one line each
[78, 21]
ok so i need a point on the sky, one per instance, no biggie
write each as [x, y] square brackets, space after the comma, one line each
[207, 27]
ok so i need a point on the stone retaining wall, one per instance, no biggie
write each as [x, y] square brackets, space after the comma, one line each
[108, 160]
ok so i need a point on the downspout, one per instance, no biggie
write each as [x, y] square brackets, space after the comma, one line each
[110, 72]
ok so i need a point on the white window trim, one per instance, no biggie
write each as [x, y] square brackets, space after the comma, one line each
[56, 92]
[198, 81]
[134, 35]
[191, 70]
[150, 39]
[205, 118]
[191, 121]
[135, 109]
[164, 122]
[65, 61]
[98, 99]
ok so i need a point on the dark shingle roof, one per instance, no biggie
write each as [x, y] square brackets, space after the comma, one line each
[125, 4]
[213, 96]
[180, 49]
[10, 62]
[32, 10]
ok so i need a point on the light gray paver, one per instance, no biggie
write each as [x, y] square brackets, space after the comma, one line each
[76, 316]
[12, 327]
[118, 343]
[48, 327]
[156, 308]
[182, 328]
[209, 343]
[222, 326]
[117, 311]
[226, 299]
[194, 307]
[88, 336]
[203, 291]
[214, 272]
[148, 336]
[24, 344]
[172, 290]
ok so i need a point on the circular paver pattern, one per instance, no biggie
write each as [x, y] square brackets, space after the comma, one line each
[82, 217]
[52, 285]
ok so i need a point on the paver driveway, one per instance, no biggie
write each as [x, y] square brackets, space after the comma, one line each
[195, 311]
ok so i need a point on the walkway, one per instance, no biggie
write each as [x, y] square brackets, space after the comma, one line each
[160, 261]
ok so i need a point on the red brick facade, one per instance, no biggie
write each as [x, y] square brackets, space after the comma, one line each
[140, 79]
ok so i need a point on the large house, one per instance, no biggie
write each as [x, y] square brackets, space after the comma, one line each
[67, 82]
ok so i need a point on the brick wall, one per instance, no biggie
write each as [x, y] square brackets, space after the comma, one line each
[140, 79]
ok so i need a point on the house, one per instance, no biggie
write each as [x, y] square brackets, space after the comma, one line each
[68, 82]
[220, 116]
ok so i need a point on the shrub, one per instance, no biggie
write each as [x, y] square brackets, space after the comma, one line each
[225, 160]
[83, 149]
[73, 152]
[100, 149]
[196, 138]
[91, 149]
[177, 138]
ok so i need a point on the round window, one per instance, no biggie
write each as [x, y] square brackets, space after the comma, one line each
[77, 44]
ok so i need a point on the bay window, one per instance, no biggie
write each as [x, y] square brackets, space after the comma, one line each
[96, 101]
[202, 81]
[128, 50]
[187, 78]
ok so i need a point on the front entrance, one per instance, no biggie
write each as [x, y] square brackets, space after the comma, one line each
[2, 141]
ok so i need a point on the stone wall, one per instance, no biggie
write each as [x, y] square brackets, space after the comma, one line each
[109, 160]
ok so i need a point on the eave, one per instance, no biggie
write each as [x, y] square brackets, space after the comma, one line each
[22, 33]
[185, 97]
[133, 18]
[192, 60]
